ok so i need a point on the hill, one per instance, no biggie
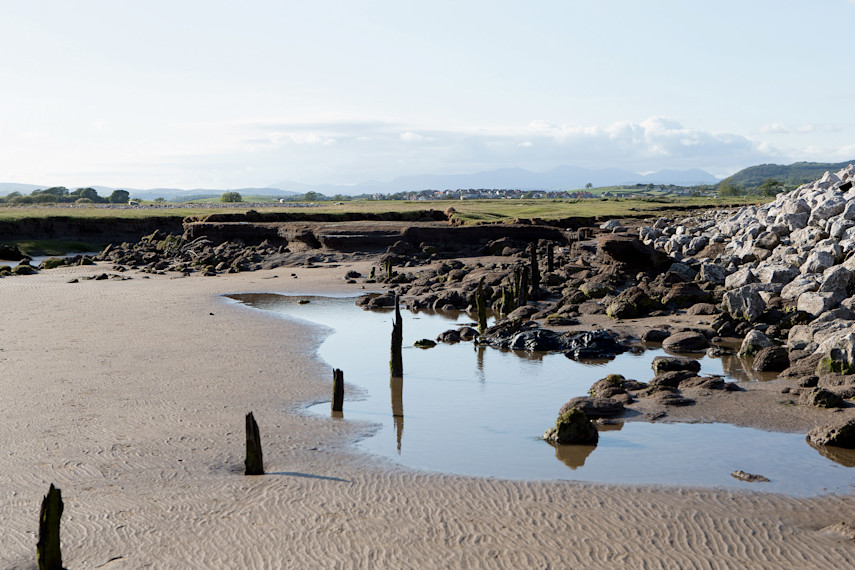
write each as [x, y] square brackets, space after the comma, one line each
[790, 175]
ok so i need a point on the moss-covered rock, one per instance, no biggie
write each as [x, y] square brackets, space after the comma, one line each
[24, 269]
[573, 427]
[424, 343]
[52, 262]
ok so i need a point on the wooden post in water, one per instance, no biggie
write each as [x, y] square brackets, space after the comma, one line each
[48, 555]
[481, 304]
[254, 461]
[522, 292]
[389, 269]
[396, 364]
[338, 390]
[535, 271]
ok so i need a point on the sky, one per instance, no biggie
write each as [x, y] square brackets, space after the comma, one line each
[215, 94]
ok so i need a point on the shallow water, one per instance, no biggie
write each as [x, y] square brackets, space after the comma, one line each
[481, 411]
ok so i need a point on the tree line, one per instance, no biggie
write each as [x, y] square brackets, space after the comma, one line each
[61, 194]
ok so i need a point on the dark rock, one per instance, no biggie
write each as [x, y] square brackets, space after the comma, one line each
[537, 340]
[592, 345]
[702, 309]
[11, 253]
[630, 252]
[687, 341]
[594, 407]
[662, 364]
[655, 335]
[572, 427]
[749, 477]
[449, 336]
[670, 379]
[838, 435]
[424, 343]
[771, 359]
[467, 333]
[684, 295]
[821, 398]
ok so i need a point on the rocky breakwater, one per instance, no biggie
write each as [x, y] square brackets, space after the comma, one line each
[786, 270]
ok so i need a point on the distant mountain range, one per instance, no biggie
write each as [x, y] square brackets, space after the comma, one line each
[561, 178]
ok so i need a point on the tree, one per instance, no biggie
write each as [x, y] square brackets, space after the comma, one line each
[159, 200]
[311, 196]
[589, 185]
[88, 193]
[231, 197]
[725, 188]
[770, 187]
[120, 197]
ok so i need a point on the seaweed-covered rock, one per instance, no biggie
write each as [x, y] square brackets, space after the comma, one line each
[537, 340]
[572, 427]
[594, 407]
[424, 343]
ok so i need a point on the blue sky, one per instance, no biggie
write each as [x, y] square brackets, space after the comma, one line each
[220, 94]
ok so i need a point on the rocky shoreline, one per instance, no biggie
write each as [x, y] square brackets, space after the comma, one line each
[772, 285]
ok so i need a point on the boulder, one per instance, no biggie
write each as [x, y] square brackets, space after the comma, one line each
[631, 252]
[838, 435]
[840, 359]
[753, 342]
[702, 309]
[771, 359]
[467, 333]
[687, 341]
[594, 407]
[821, 398]
[684, 295]
[744, 303]
[541, 340]
[662, 364]
[449, 336]
[591, 345]
[712, 273]
[572, 427]
[654, 335]
[816, 303]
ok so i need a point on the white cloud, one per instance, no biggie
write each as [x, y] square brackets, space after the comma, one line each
[411, 137]
[775, 129]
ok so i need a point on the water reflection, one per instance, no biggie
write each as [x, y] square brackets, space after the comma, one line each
[573, 456]
[843, 456]
[481, 414]
[396, 387]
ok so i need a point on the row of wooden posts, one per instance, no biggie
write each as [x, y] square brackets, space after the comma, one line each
[48, 552]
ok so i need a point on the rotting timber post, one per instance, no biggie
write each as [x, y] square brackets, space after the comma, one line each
[535, 272]
[396, 364]
[338, 391]
[254, 462]
[48, 554]
[481, 304]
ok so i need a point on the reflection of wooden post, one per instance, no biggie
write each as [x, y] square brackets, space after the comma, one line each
[535, 271]
[481, 304]
[254, 462]
[337, 390]
[396, 364]
[396, 384]
[48, 555]
[550, 257]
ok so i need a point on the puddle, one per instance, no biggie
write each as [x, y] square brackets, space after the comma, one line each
[480, 411]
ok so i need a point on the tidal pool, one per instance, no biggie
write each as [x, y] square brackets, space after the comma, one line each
[476, 410]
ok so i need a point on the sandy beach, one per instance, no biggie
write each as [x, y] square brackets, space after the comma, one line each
[130, 396]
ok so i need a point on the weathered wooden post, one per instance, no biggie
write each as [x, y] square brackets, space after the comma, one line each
[522, 292]
[389, 269]
[508, 300]
[481, 304]
[396, 364]
[535, 271]
[254, 461]
[396, 385]
[338, 390]
[48, 555]
[550, 257]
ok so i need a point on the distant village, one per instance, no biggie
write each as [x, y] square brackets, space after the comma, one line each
[637, 190]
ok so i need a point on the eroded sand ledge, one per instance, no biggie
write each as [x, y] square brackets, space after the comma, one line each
[130, 396]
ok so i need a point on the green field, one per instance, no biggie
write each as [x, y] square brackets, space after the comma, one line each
[468, 211]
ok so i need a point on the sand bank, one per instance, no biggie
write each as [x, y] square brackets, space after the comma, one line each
[130, 396]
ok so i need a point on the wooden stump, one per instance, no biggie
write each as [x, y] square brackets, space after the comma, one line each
[481, 304]
[48, 553]
[535, 271]
[338, 390]
[254, 461]
[396, 364]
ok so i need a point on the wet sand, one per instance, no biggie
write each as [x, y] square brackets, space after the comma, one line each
[130, 396]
